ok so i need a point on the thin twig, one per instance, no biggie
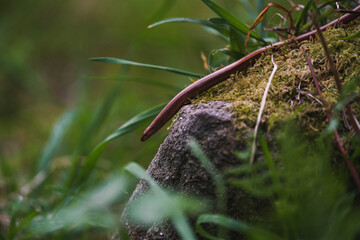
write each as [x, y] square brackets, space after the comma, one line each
[262, 106]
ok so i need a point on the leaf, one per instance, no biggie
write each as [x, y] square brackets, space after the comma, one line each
[140, 173]
[302, 16]
[236, 42]
[56, 138]
[90, 209]
[356, 35]
[127, 127]
[159, 204]
[220, 188]
[261, 17]
[350, 93]
[223, 60]
[232, 224]
[231, 19]
[204, 23]
[96, 120]
[127, 62]
[214, 173]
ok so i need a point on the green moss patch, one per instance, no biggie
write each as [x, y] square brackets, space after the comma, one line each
[292, 93]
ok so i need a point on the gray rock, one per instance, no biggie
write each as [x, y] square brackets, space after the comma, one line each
[175, 167]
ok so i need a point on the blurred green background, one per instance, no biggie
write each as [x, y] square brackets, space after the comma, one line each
[45, 71]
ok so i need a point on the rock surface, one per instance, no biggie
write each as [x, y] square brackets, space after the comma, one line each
[175, 167]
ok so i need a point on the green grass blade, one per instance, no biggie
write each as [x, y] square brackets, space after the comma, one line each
[26, 222]
[220, 188]
[214, 173]
[350, 93]
[234, 225]
[204, 23]
[139, 172]
[302, 16]
[134, 122]
[90, 209]
[270, 163]
[167, 201]
[127, 62]
[356, 35]
[237, 42]
[233, 21]
[182, 226]
[127, 127]
[56, 138]
[96, 121]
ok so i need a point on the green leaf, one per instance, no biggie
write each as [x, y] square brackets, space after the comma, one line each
[233, 21]
[90, 209]
[220, 188]
[350, 93]
[237, 42]
[26, 222]
[127, 62]
[356, 35]
[56, 138]
[127, 127]
[96, 121]
[140, 173]
[159, 204]
[214, 173]
[232, 224]
[302, 16]
[182, 226]
[204, 23]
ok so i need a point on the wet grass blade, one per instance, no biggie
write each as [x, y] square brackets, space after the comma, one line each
[233, 21]
[204, 23]
[127, 62]
[129, 126]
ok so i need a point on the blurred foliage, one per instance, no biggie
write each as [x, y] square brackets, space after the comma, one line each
[61, 159]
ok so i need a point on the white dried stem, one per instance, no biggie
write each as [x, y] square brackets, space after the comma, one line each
[262, 106]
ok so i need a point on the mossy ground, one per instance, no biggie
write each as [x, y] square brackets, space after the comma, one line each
[285, 101]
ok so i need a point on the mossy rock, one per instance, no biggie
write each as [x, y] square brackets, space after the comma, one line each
[292, 94]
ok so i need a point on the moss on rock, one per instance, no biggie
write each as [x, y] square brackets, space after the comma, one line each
[292, 93]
